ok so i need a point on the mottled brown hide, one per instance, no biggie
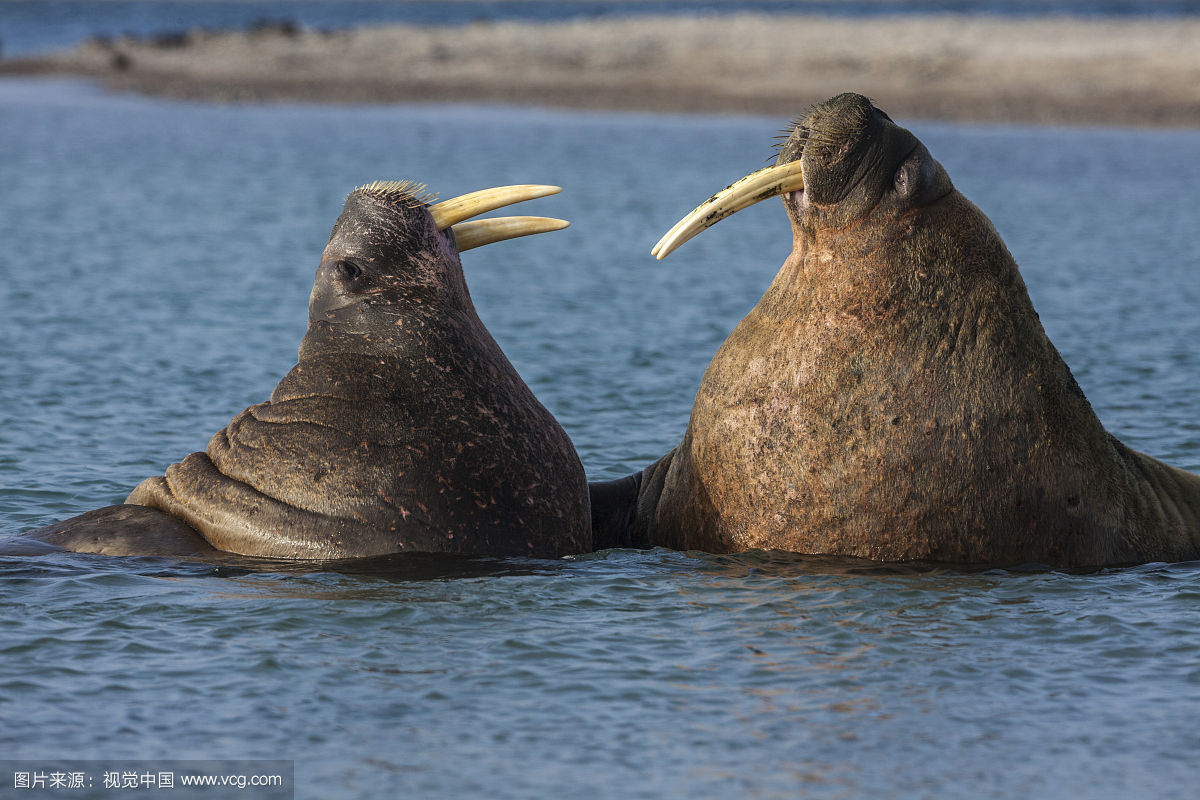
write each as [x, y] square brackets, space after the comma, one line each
[893, 395]
[128, 529]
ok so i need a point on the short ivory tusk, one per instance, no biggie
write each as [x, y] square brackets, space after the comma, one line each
[755, 187]
[456, 209]
[477, 233]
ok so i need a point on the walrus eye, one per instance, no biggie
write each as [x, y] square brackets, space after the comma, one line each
[348, 269]
[907, 178]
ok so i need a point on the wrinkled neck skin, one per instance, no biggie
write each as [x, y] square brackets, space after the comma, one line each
[866, 287]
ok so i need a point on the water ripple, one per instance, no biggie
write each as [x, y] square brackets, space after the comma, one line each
[619, 674]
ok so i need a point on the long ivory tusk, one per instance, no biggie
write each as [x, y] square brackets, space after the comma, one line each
[477, 233]
[456, 209]
[755, 187]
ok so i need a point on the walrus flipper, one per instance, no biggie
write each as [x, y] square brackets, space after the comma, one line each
[126, 530]
[623, 510]
[614, 512]
[1171, 498]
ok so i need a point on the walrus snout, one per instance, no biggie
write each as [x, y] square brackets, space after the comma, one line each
[818, 148]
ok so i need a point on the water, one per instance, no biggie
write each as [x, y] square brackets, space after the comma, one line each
[156, 264]
[27, 26]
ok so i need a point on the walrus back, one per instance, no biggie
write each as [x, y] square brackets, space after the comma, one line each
[362, 454]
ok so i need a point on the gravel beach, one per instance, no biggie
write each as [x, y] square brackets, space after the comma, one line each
[1057, 70]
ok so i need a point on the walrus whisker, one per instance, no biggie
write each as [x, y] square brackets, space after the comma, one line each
[456, 209]
[755, 187]
[477, 233]
[410, 194]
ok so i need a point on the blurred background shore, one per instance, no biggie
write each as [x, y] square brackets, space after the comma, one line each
[1082, 68]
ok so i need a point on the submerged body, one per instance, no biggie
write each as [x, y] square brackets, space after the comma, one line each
[893, 395]
[403, 428]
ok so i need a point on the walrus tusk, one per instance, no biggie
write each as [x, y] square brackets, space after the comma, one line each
[479, 232]
[457, 209]
[755, 187]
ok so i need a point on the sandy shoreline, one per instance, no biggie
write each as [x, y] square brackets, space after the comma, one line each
[1142, 72]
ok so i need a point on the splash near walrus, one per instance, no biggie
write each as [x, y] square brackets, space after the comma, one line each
[893, 395]
[403, 428]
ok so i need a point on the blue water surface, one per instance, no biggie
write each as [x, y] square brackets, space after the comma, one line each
[156, 263]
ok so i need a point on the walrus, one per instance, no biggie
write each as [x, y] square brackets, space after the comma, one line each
[893, 396]
[402, 428]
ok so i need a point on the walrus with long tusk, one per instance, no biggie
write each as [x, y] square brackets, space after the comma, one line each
[893, 395]
[403, 428]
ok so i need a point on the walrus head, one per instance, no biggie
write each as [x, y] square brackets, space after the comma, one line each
[843, 164]
[893, 394]
[390, 247]
[858, 167]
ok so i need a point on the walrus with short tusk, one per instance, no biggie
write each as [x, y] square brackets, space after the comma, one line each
[893, 395]
[403, 428]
